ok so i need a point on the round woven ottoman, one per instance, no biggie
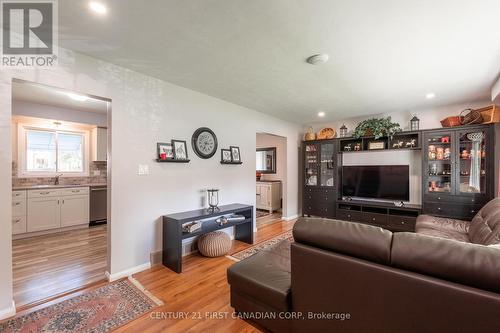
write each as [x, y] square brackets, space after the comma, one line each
[214, 244]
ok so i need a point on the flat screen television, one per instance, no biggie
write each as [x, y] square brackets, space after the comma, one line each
[383, 182]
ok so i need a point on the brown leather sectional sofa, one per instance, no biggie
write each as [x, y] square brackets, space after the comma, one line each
[348, 277]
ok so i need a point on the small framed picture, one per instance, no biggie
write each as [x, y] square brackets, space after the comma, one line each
[235, 154]
[374, 145]
[225, 155]
[180, 149]
[165, 151]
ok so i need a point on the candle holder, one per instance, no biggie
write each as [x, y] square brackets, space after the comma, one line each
[213, 200]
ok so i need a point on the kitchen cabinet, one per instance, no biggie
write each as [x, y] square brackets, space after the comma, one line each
[99, 139]
[50, 209]
[268, 195]
[18, 212]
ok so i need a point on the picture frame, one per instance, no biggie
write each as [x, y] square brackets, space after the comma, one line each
[165, 148]
[226, 156]
[376, 145]
[235, 154]
[180, 149]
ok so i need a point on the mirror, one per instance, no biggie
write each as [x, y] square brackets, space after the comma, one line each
[266, 160]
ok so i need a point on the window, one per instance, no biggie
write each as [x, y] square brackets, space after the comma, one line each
[44, 152]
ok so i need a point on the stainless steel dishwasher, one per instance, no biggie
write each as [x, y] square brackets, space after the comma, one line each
[98, 204]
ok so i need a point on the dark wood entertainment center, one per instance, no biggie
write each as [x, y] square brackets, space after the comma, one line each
[447, 184]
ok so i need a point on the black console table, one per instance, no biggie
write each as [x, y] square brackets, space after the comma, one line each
[173, 234]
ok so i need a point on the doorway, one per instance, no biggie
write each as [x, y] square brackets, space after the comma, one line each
[60, 159]
[270, 177]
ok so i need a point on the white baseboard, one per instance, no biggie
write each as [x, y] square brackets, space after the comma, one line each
[289, 218]
[127, 272]
[9, 312]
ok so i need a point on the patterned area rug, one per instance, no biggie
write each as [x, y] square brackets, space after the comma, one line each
[261, 213]
[238, 256]
[97, 311]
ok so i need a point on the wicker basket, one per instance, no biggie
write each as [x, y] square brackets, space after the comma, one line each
[491, 114]
[310, 135]
[451, 121]
[214, 244]
[470, 117]
[326, 133]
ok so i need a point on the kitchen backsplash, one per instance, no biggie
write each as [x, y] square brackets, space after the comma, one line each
[94, 166]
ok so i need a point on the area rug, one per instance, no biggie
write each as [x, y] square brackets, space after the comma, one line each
[250, 251]
[101, 310]
[261, 213]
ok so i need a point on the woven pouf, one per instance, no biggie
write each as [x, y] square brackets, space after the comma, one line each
[214, 244]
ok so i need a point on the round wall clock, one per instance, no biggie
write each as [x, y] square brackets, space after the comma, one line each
[204, 142]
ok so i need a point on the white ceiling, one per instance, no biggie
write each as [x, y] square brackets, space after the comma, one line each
[42, 94]
[385, 55]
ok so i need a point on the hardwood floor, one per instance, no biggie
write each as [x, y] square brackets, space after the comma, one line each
[271, 218]
[49, 265]
[201, 289]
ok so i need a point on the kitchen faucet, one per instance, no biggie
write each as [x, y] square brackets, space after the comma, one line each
[56, 182]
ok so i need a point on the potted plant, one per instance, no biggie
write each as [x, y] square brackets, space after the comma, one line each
[377, 128]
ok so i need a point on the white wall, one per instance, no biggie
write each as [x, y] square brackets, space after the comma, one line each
[29, 109]
[495, 91]
[146, 110]
[268, 141]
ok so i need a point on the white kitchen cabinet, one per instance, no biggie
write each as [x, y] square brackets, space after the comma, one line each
[18, 212]
[74, 210]
[43, 213]
[99, 139]
[268, 195]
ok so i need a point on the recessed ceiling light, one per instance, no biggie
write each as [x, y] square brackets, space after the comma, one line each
[77, 97]
[321, 114]
[318, 59]
[98, 7]
[430, 95]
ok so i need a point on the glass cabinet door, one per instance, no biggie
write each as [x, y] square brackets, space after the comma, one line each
[439, 168]
[472, 162]
[311, 165]
[327, 164]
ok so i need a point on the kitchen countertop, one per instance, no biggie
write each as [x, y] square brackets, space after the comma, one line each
[38, 187]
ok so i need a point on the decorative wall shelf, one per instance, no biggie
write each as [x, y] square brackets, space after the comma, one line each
[235, 163]
[398, 142]
[172, 161]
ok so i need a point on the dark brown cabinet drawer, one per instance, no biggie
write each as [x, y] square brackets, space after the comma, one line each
[319, 197]
[440, 197]
[461, 211]
[349, 215]
[317, 209]
[402, 222]
[374, 218]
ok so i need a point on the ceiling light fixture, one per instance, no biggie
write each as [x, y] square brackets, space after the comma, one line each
[430, 95]
[77, 97]
[318, 59]
[321, 114]
[98, 7]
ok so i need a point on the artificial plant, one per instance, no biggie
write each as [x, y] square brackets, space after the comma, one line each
[376, 127]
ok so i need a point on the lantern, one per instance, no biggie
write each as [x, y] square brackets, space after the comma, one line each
[414, 123]
[343, 131]
[213, 200]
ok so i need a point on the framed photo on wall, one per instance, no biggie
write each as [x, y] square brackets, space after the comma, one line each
[165, 151]
[180, 149]
[226, 155]
[235, 154]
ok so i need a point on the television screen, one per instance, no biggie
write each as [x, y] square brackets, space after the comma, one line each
[386, 182]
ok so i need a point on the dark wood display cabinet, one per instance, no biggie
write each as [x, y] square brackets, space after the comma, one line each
[458, 170]
[320, 178]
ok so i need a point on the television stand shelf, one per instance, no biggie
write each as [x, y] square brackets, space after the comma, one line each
[381, 214]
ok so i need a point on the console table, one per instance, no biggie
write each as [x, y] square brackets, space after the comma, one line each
[173, 234]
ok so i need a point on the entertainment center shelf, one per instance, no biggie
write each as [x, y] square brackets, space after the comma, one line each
[457, 176]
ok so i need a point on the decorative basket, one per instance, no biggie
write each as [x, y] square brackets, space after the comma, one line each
[451, 121]
[490, 114]
[470, 117]
[310, 135]
[326, 133]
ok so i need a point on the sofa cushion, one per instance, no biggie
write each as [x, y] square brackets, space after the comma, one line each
[485, 226]
[265, 276]
[465, 263]
[441, 224]
[349, 238]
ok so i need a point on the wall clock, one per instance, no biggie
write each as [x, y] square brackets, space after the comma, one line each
[204, 142]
